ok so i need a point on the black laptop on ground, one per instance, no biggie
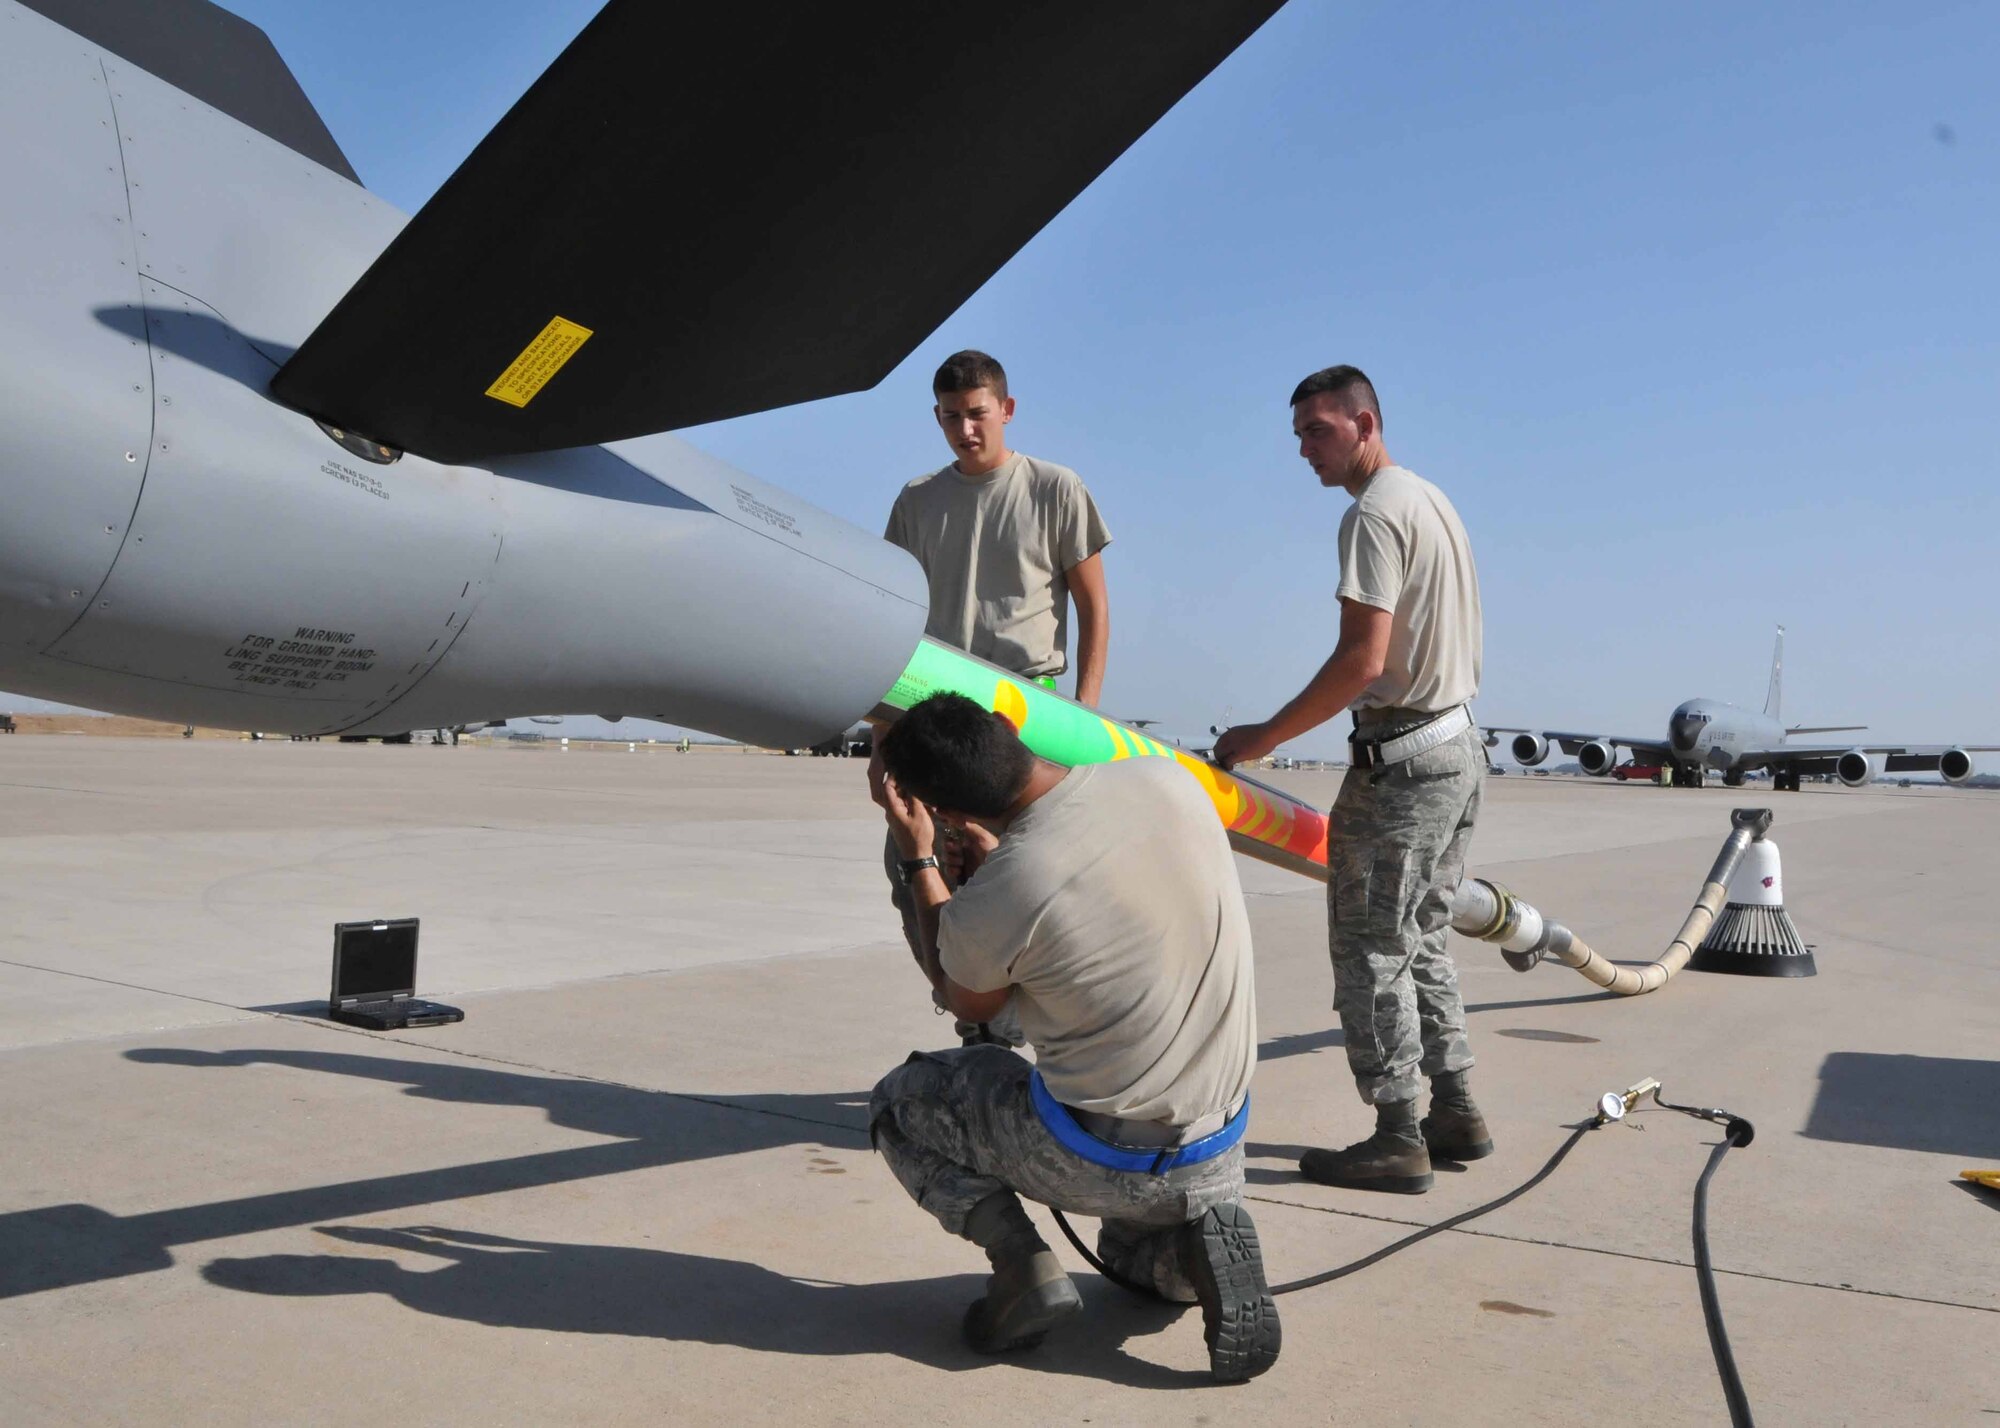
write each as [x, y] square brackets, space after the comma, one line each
[375, 977]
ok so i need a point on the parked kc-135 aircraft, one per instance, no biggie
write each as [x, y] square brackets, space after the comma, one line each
[1704, 734]
[255, 424]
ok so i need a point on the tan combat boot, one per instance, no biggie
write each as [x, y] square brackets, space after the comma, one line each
[1025, 1298]
[1394, 1159]
[1454, 1130]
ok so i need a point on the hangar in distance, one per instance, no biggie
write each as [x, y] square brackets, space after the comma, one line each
[1705, 735]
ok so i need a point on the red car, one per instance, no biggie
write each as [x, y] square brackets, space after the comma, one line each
[1627, 771]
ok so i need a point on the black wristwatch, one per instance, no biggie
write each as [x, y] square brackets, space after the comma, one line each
[909, 867]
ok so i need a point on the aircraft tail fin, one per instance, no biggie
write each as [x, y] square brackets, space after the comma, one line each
[704, 211]
[1775, 696]
[219, 58]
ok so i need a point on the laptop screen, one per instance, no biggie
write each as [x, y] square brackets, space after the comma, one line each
[374, 959]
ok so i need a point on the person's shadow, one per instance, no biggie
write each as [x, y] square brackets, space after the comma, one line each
[615, 1289]
[59, 1246]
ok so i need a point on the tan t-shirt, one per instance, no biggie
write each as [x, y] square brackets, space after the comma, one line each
[1112, 909]
[1403, 549]
[996, 550]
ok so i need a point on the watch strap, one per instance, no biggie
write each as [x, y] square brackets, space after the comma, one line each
[909, 867]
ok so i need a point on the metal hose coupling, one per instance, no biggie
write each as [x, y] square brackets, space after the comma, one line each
[1616, 1105]
[1491, 913]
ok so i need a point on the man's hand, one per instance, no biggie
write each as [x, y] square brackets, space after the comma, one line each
[909, 821]
[876, 770]
[965, 849]
[1243, 743]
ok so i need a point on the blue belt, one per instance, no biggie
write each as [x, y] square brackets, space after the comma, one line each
[1073, 1137]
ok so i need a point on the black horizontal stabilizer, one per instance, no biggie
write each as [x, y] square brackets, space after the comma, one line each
[703, 211]
[219, 58]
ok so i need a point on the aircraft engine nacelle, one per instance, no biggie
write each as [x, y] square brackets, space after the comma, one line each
[1954, 766]
[1596, 758]
[1529, 749]
[1854, 768]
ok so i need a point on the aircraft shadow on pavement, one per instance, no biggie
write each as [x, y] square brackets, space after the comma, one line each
[58, 1246]
[554, 1287]
[1531, 1003]
[1304, 1043]
[1923, 1103]
[1299, 1043]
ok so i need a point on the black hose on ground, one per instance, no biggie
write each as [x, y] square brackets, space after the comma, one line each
[1737, 1131]
[1379, 1255]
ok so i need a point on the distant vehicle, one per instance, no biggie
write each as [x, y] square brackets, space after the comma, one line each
[1495, 770]
[1632, 769]
[1704, 734]
[855, 743]
[6, 723]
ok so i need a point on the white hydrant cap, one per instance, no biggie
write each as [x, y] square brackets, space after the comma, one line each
[1757, 881]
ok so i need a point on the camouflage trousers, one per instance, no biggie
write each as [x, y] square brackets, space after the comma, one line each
[1396, 845]
[1004, 1028]
[957, 1126]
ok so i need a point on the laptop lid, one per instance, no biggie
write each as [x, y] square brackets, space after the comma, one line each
[374, 961]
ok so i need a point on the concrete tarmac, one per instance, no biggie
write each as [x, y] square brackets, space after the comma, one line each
[634, 1185]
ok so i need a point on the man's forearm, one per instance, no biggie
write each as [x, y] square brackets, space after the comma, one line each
[928, 891]
[1093, 641]
[1338, 684]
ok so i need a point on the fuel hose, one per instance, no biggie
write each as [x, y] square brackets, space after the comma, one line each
[1489, 912]
[1613, 1106]
[1272, 826]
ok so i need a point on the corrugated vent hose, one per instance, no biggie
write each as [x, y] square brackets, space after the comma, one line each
[1489, 912]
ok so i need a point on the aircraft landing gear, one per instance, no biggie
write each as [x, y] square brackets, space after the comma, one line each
[1784, 781]
[1732, 778]
[1689, 776]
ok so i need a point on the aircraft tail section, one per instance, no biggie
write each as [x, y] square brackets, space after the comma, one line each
[704, 211]
[219, 58]
[1774, 697]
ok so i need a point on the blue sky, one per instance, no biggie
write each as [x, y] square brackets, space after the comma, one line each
[1692, 310]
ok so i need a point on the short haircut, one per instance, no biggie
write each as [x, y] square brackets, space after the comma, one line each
[962, 371]
[1349, 384]
[951, 753]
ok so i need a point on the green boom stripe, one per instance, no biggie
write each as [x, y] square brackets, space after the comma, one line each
[1263, 822]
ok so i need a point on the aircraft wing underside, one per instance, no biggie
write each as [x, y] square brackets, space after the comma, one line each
[1570, 742]
[683, 220]
[1822, 758]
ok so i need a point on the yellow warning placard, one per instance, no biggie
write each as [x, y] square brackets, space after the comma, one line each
[539, 361]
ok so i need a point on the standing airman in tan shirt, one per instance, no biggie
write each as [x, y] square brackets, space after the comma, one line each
[1006, 541]
[1407, 663]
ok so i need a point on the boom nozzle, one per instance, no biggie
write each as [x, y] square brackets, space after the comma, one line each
[1756, 821]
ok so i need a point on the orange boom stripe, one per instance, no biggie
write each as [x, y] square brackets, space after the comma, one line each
[1263, 822]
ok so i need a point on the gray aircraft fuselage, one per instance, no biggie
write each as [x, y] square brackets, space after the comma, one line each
[177, 544]
[1717, 735]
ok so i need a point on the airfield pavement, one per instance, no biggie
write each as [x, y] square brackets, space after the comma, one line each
[634, 1184]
